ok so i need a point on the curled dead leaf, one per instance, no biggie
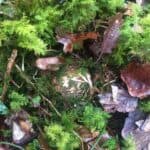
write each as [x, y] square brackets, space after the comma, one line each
[49, 63]
[69, 39]
[22, 131]
[137, 78]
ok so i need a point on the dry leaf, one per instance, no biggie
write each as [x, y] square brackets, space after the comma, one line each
[49, 63]
[137, 78]
[86, 134]
[22, 131]
[119, 100]
[137, 124]
[112, 33]
[69, 39]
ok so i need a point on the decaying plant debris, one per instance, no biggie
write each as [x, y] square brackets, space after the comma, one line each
[73, 73]
[137, 124]
[119, 100]
[137, 78]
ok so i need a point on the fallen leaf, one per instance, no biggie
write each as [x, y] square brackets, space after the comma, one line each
[111, 34]
[22, 131]
[69, 39]
[137, 78]
[119, 100]
[49, 63]
[86, 134]
[137, 125]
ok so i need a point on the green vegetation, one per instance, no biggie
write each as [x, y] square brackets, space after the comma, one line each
[31, 27]
[94, 118]
[129, 144]
[145, 106]
[17, 101]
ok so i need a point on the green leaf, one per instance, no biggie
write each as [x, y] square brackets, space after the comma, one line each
[3, 109]
[36, 100]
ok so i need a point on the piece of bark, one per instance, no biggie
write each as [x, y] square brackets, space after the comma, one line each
[69, 39]
[11, 62]
[112, 33]
[49, 63]
[140, 132]
[137, 78]
[119, 100]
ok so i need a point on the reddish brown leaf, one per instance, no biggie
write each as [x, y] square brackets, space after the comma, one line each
[137, 78]
[112, 33]
[69, 39]
[49, 63]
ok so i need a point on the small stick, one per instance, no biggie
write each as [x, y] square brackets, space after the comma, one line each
[27, 79]
[15, 84]
[13, 145]
[97, 141]
[82, 144]
[24, 76]
[11, 62]
[46, 112]
[51, 104]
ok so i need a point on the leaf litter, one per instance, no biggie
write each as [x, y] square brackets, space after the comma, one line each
[136, 77]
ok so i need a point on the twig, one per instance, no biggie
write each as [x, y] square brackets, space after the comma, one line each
[45, 111]
[100, 56]
[27, 79]
[110, 82]
[51, 104]
[11, 62]
[76, 134]
[98, 139]
[11, 144]
[24, 76]
[15, 84]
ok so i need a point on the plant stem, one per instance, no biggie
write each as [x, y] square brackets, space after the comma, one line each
[51, 104]
[13, 145]
[98, 139]
[11, 62]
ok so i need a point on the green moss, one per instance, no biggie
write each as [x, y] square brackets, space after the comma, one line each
[60, 138]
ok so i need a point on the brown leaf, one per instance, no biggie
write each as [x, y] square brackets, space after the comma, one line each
[112, 33]
[22, 131]
[69, 39]
[49, 63]
[86, 134]
[137, 78]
